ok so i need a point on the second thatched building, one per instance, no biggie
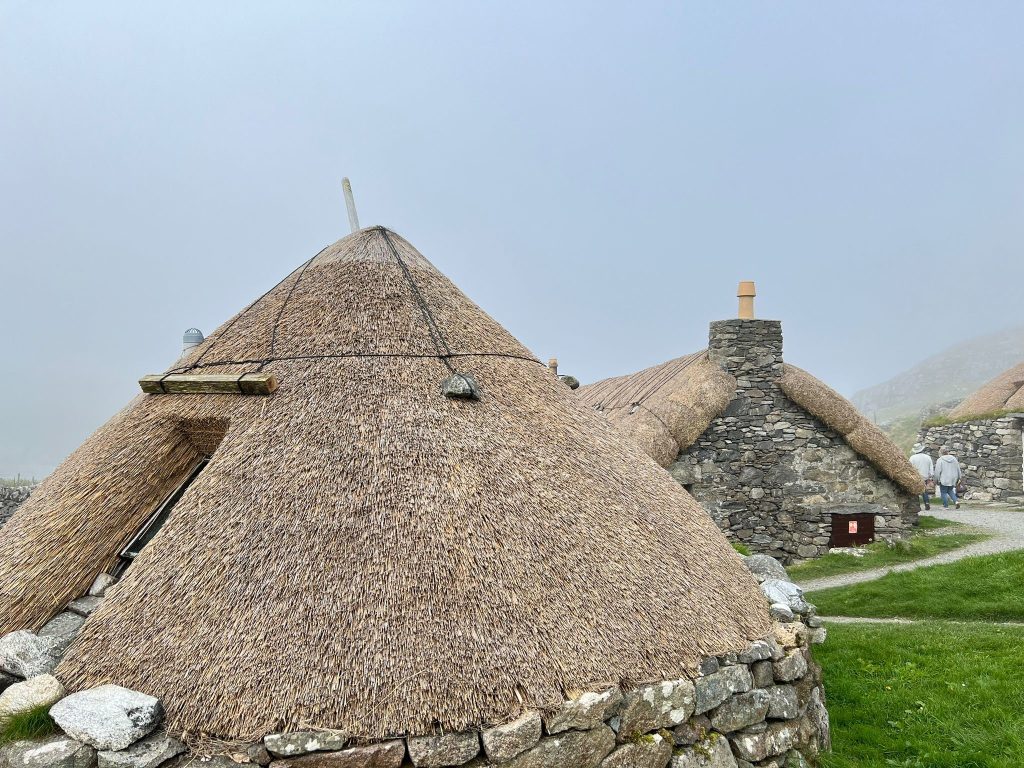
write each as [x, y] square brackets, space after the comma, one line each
[783, 463]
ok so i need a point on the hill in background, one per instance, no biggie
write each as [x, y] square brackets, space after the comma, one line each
[936, 384]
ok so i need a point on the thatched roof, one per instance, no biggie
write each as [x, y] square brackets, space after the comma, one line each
[664, 409]
[1005, 393]
[363, 553]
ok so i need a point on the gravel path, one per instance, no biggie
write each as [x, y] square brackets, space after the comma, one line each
[1004, 524]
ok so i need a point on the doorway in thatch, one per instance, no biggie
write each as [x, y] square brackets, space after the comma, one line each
[155, 522]
[204, 436]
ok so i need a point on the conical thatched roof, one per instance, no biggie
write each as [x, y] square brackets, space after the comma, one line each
[363, 553]
[665, 408]
[1005, 393]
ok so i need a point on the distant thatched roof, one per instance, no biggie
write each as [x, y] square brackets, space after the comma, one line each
[664, 409]
[363, 553]
[1004, 393]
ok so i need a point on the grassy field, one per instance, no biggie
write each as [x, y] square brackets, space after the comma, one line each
[928, 695]
[987, 588]
[923, 544]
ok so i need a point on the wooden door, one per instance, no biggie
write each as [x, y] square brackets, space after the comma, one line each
[852, 530]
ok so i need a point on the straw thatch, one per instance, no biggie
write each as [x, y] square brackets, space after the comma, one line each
[1005, 393]
[837, 413]
[665, 408]
[363, 553]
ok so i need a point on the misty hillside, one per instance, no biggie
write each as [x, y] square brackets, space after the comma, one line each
[947, 376]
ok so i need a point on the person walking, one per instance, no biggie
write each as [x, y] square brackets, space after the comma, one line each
[947, 475]
[926, 469]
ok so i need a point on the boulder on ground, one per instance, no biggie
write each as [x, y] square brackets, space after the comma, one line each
[102, 583]
[152, 751]
[39, 691]
[765, 567]
[25, 654]
[52, 752]
[787, 593]
[108, 717]
[64, 625]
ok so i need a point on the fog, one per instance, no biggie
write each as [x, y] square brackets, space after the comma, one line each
[597, 176]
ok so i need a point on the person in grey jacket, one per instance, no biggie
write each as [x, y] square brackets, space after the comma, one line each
[947, 475]
[926, 469]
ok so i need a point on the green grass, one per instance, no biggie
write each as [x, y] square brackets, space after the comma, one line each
[743, 549]
[924, 695]
[31, 724]
[880, 554]
[928, 523]
[986, 588]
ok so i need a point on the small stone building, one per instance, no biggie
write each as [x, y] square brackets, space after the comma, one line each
[783, 463]
[986, 434]
[362, 526]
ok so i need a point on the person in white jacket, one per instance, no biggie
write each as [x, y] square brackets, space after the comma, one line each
[947, 475]
[926, 469]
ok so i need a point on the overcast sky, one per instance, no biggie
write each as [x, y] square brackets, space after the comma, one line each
[597, 176]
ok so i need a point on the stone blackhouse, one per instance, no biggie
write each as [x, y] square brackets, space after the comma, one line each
[986, 433]
[783, 463]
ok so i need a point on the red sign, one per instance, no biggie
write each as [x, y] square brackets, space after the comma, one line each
[853, 526]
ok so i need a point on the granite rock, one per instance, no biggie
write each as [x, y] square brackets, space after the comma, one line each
[108, 717]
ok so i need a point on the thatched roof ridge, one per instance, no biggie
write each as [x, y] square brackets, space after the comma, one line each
[840, 415]
[1004, 393]
[666, 407]
[362, 553]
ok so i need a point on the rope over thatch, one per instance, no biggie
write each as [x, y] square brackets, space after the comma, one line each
[840, 415]
[363, 553]
[665, 408]
[1004, 393]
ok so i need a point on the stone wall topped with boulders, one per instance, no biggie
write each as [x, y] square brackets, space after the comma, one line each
[772, 475]
[763, 707]
[990, 452]
[11, 498]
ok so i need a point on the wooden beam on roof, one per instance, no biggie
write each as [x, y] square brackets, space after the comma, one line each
[209, 384]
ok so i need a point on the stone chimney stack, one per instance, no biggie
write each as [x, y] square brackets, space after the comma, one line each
[745, 347]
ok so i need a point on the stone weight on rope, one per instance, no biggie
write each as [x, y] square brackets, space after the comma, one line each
[461, 386]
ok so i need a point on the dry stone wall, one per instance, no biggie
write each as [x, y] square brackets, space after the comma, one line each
[772, 475]
[11, 499]
[990, 453]
[763, 707]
